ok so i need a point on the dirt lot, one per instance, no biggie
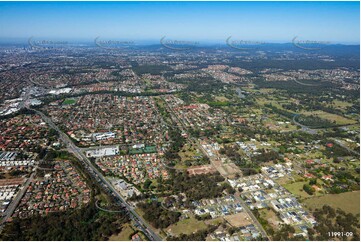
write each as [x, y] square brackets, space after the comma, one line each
[226, 169]
[196, 170]
[238, 219]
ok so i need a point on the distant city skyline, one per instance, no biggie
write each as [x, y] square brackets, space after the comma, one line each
[209, 22]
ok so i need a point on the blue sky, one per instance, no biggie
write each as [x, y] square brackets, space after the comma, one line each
[336, 22]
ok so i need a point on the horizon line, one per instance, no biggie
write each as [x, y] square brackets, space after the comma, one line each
[152, 41]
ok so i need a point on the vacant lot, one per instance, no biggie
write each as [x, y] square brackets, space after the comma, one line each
[271, 217]
[348, 201]
[297, 189]
[188, 152]
[238, 219]
[341, 104]
[186, 226]
[196, 170]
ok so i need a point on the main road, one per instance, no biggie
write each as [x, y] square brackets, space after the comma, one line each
[146, 229]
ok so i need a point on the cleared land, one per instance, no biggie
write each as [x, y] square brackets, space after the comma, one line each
[296, 188]
[186, 226]
[238, 219]
[271, 217]
[196, 170]
[348, 201]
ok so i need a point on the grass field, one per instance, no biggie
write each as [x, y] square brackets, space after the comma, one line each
[331, 117]
[271, 217]
[263, 101]
[266, 90]
[341, 104]
[349, 201]
[186, 226]
[69, 101]
[187, 152]
[124, 235]
[215, 221]
[354, 127]
[221, 99]
[297, 189]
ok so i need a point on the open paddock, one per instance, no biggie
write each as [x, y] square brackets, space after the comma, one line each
[348, 201]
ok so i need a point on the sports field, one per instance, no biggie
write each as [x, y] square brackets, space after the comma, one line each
[69, 101]
[145, 150]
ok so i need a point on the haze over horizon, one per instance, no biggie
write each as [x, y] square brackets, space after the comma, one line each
[209, 22]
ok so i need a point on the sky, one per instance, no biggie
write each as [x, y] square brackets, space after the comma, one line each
[335, 22]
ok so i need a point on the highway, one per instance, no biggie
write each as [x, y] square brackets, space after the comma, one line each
[98, 176]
